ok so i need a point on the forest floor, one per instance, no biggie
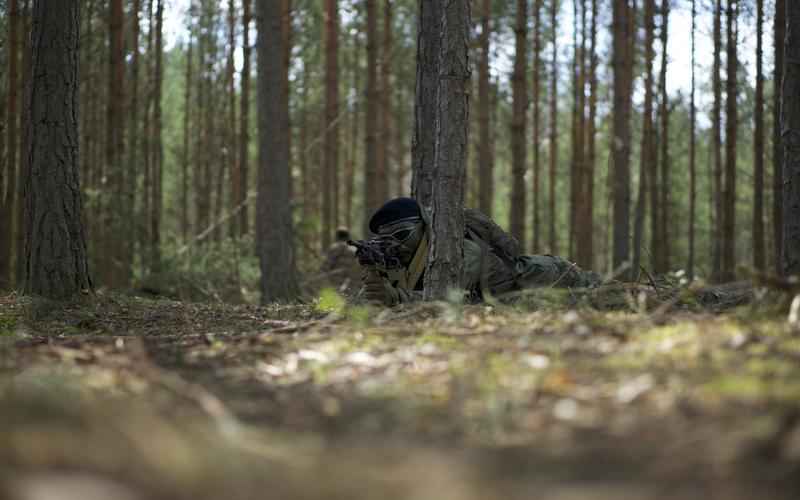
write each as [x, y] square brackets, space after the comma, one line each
[130, 398]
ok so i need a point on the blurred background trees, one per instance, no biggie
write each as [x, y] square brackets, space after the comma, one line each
[586, 138]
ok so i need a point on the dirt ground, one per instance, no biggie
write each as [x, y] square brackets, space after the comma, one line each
[130, 398]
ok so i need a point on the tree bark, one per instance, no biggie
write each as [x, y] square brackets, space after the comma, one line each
[758, 149]
[244, 117]
[185, 159]
[646, 160]
[535, 141]
[485, 163]
[423, 143]
[553, 129]
[588, 187]
[158, 146]
[692, 154]
[716, 119]
[779, 32]
[386, 143]
[373, 193]
[623, 82]
[274, 221]
[518, 143]
[8, 171]
[55, 244]
[445, 259]
[790, 134]
[231, 151]
[663, 255]
[114, 264]
[731, 126]
[330, 159]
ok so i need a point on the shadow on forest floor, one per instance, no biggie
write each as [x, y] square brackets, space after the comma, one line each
[128, 398]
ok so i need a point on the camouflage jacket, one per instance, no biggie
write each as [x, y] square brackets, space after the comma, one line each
[493, 265]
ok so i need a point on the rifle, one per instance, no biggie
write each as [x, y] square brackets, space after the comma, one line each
[376, 253]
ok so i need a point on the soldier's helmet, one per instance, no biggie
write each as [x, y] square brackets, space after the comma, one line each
[398, 223]
[342, 233]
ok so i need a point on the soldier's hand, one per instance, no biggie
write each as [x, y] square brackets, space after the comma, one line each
[378, 289]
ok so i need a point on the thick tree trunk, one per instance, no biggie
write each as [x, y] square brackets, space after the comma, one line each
[8, 171]
[423, 143]
[731, 125]
[485, 163]
[274, 220]
[621, 150]
[330, 158]
[518, 143]
[445, 259]
[790, 134]
[551, 212]
[779, 30]
[244, 117]
[54, 237]
[758, 149]
[535, 140]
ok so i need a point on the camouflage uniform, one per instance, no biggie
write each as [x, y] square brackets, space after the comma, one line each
[493, 264]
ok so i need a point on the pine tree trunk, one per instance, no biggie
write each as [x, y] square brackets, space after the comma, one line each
[790, 132]
[274, 220]
[553, 129]
[133, 125]
[244, 116]
[147, 146]
[113, 263]
[445, 258]
[485, 163]
[56, 246]
[588, 192]
[779, 30]
[731, 125]
[158, 146]
[24, 144]
[646, 164]
[663, 262]
[758, 149]
[373, 194]
[583, 229]
[231, 151]
[535, 141]
[692, 154]
[330, 158]
[716, 119]
[185, 159]
[623, 82]
[350, 173]
[518, 142]
[7, 171]
[423, 143]
[387, 146]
